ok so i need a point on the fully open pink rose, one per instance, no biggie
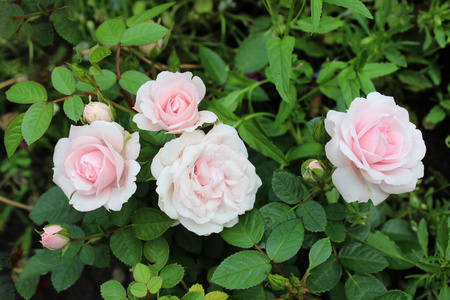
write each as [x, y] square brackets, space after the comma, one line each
[375, 148]
[205, 181]
[96, 165]
[170, 103]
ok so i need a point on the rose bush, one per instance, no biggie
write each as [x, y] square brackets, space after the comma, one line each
[205, 181]
[375, 148]
[170, 103]
[96, 165]
[54, 237]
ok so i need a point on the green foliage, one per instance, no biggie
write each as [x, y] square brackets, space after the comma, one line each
[131, 81]
[285, 240]
[247, 232]
[13, 135]
[313, 216]
[126, 247]
[214, 65]
[142, 34]
[113, 290]
[149, 223]
[26, 92]
[287, 187]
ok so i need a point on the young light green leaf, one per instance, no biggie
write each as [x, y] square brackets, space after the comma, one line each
[132, 80]
[63, 81]
[247, 232]
[148, 14]
[256, 139]
[313, 216]
[287, 187]
[138, 289]
[325, 276]
[362, 258]
[150, 223]
[285, 240]
[316, 12]
[279, 52]
[106, 80]
[171, 275]
[242, 270]
[73, 107]
[214, 65]
[26, 92]
[232, 100]
[252, 53]
[142, 34]
[319, 252]
[65, 275]
[154, 284]
[98, 53]
[355, 5]
[126, 247]
[362, 287]
[141, 273]
[13, 135]
[326, 24]
[113, 290]
[194, 295]
[157, 252]
[110, 32]
[36, 121]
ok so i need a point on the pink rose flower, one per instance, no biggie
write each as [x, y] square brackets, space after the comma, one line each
[96, 165]
[170, 103]
[375, 148]
[205, 181]
[54, 237]
[97, 111]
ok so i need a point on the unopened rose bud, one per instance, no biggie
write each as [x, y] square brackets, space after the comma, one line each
[320, 135]
[312, 169]
[54, 237]
[97, 111]
[277, 282]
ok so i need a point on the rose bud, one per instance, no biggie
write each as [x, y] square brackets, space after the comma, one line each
[312, 169]
[54, 237]
[97, 111]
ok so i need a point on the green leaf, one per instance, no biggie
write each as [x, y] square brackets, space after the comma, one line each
[252, 53]
[325, 276]
[231, 101]
[157, 252]
[256, 139]
[65, 275]
[319, 252]
[242, 270]
[36, 121]
[389, 249]
[287, 187]
[87, 255]
[394, 295]
[313, 216]
[279, 52]
[316, 12]
[422, 235]
[8, 25]
[126, 247]
[149, 14]
[195, 295]
[132, 80]
[98, 53]
[65, 27]
[216, 295]
[150, 223]
[305, 150]
[442, 236]
[63, 81]
[110, 32]
[326, 24]
[399, 230]
[73, 107]
[439, 35]
[53, 207]
[275, 214]
[356, 5]
[154, 284]
[363, 287]
[123, 217]
[247, 232]
[336, 231]
[362, 258]
[13, 135]
[113, 290]
[336, 211]
[26, 92]
[138, 289]
[374, 70]
[285, 240]
[171, 275]
[365, 83]
[143, 34]
[214, 65]
[141, 273]
[106, 80]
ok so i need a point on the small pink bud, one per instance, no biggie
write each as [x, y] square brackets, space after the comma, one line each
[97, 111]
[54, 237]
[312, 169]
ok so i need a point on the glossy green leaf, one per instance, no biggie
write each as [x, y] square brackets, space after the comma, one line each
[73, 107]
[154, 284]
[65, 275]
[394, 295]
[110, 32]
[319, 252]
[313, 216]
[171, 275]
[149, 14]
[363, 287]
[316, 12]
[65, 26]
[113, 290]
[132, 80]
[389, 249]
[13, 135]
[36, 121]
[141, 273]
[285, 240]
[422, 235]
[142, 34]
[362, 258]
[150, 223]
[247, 232]
[126, 247]
[287, 187]
[138, 289]
[326, 24]
[242, 270]
[157, 252]
[98, 53]
[63, 81]
[87, 255]
[252, 53]
[26, 92]
[374, 70]
[355, 5]
[325, 276]
[336, 231]
[214, 65]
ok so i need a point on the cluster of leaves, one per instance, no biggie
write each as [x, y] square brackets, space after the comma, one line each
[271, 79]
